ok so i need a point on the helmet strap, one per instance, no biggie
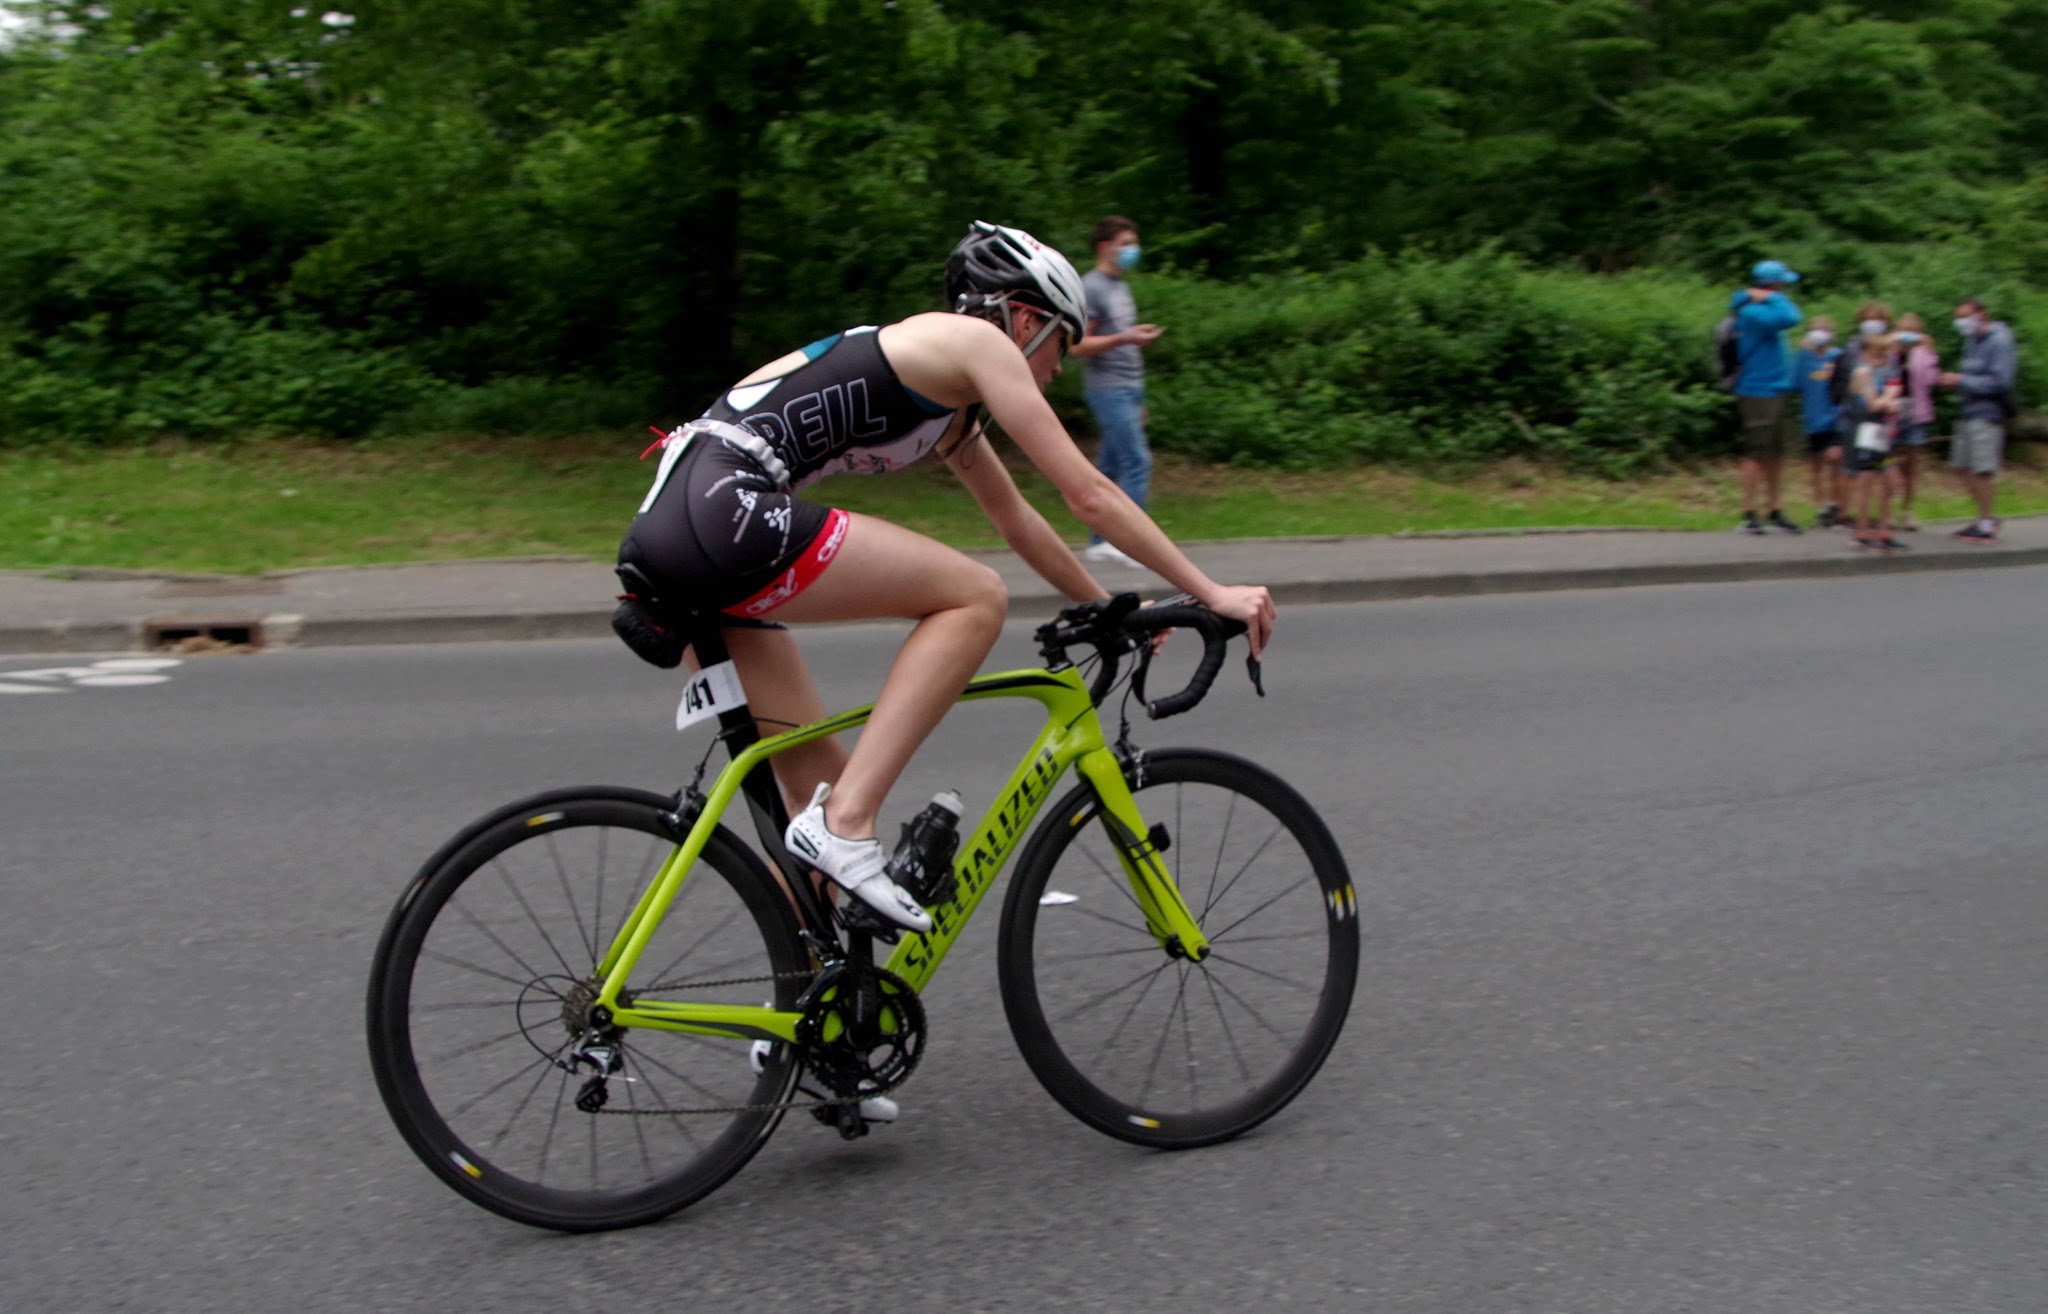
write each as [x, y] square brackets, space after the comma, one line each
[1052, 325]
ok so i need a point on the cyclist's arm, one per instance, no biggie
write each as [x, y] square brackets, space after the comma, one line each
[1022, 527]
[1003, 381]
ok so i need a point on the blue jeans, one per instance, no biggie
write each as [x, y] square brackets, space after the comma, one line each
[1120, 415]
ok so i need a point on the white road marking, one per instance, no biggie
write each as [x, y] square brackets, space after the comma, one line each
[110, 673]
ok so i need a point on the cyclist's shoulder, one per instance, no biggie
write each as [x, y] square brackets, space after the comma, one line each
[939, 336]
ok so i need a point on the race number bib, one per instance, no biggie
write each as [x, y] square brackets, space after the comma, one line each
[713, 690]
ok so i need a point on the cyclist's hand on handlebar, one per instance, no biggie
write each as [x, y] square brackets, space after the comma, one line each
[1252, 606]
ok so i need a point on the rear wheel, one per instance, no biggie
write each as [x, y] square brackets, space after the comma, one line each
[480, 1005]
[1156, 1049]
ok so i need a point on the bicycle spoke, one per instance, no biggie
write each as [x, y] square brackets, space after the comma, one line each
[1112, 993]
[562, 877]
[639, 1130]
[604, 836]
[1111, 921]
[1103, 953]
[1118, 881]
[662, 1101]
[1229, 1036]
[1256, 855]
[542, 1062]
[467, 966]
[517, 1109]
[531, 916]
[1222, 843]
[515, 1034]
[650, 867]
[1261, 908]
[695, 1085]
[698, 943]
[1132, 1011]
[1246, 1005]
[540, 1173]
[463, 911]
[1165, 1034]
[1302, 986]
[1318, 933]
[418, 1009]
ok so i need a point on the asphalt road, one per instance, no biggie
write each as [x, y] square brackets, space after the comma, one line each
[1705, 970]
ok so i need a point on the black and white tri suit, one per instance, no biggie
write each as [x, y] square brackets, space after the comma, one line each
[721, 529]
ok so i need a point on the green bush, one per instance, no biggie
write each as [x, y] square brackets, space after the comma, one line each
[1415, 360]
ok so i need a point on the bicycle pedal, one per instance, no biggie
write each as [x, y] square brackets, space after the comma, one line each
[857, 916]
[847, 1118]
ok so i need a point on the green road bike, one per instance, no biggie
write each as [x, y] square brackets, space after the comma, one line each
[591, 1007]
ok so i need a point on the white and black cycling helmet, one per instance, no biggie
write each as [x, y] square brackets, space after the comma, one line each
[994, 265]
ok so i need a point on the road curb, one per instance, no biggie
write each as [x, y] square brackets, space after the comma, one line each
[293, 630]
[1473, 584]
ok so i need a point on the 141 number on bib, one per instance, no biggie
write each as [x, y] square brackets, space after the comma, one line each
[713, 690]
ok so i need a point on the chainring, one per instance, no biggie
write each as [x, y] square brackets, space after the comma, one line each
[862, 1033]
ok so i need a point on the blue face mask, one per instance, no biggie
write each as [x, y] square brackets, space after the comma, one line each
[1127, 256]
[1908, 337]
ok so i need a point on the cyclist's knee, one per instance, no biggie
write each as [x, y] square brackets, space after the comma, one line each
[989, 596]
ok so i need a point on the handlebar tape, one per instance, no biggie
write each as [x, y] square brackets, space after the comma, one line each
[1216, 632]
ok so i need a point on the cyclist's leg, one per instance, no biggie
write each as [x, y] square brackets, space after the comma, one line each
[782, 695]
[883, 570]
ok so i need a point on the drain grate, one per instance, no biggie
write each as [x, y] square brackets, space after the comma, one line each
[185, 634]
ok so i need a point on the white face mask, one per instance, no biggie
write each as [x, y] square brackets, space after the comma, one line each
[1819, 338]
[1967, 324]
[1872, 327]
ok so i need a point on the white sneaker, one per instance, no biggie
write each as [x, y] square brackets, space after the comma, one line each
[1109, 554]
[855, 865]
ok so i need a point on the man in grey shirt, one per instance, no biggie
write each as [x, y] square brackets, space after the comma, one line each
[1987, 380]
[1114, 372]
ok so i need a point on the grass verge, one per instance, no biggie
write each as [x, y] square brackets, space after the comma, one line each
[271, 506]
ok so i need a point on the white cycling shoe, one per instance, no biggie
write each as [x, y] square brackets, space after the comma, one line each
[857, 866]
[875, 1108]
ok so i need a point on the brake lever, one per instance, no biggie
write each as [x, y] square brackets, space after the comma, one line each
[1251, 666]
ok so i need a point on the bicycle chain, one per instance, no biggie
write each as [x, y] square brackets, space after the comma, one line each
[786, 1106]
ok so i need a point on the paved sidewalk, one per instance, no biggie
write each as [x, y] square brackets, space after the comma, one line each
[106, 611]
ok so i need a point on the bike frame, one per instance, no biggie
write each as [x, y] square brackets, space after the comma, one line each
[1071, 737]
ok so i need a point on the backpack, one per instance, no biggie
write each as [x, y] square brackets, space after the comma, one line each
[1727, 354]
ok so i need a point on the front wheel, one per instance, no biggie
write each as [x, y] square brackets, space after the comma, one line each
[481, 1012]
[1153, 1048]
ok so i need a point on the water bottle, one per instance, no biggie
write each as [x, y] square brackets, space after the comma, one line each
[923, 861]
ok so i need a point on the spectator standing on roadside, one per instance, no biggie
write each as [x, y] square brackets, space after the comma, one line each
[1763, 389]
[1113, 376]
[1813, 365]
[1876, 402]
[1872, 318]
[1987, 379]
[1922, 367]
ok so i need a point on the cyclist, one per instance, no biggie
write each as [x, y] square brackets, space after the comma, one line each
[723, 530]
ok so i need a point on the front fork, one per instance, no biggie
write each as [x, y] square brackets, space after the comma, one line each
[1166, 914]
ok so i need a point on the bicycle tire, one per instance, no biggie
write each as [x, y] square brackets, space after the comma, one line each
[479, 947]
[1116, 1088]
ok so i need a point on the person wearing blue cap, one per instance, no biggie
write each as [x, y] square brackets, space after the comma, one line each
[1764, 390]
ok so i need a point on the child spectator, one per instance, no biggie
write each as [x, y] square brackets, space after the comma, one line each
[1876, 402]
[1916, 424]
[1872, 318]
[1813, 367]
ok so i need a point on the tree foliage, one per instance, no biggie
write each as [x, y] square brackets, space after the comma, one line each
[223, 216]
